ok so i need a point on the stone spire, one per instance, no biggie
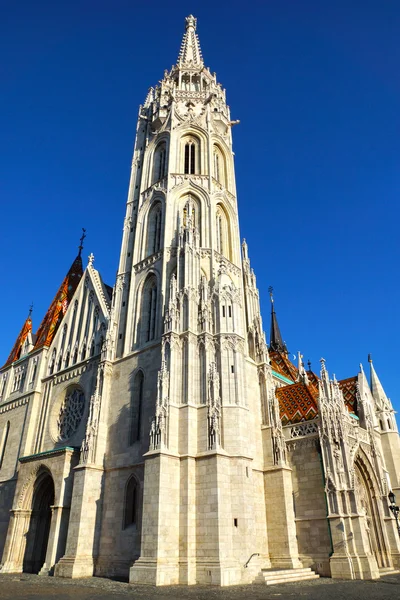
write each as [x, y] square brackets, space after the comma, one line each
[276, 343]
[190, 53]
[382, 401]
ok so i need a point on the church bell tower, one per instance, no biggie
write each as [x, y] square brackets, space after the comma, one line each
[181, 316]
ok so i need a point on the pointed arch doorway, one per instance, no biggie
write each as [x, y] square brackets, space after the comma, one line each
[37, 536]
[367, 499]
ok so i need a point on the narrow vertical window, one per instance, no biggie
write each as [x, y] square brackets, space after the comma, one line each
[4, 442]
[149, 310]
[136, 408]
[216, 166]
[131, 502]
[190, 158]
[187, 157]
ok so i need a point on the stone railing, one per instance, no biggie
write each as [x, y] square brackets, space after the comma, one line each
[306, 428]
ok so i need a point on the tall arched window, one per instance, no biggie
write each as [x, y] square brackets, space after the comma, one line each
[4, 442]
[149, 310]
[154, 229]
[219, 165]
[216, 166]
[160, 161]
[190, 157]
[52, 362]
[131, 502]
[136, 408]
[223, 233]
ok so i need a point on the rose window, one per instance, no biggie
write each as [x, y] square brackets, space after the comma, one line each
[70, 414]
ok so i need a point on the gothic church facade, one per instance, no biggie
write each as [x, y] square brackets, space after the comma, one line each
[148, 431]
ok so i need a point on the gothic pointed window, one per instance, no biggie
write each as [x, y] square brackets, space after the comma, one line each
[52, 362]
[216, 166]
[154, 229]
[136, 408]
[131, 502]
[190, 157]
[160, 162]
[222, 233]
[149, 310]
[219, 170]
[75, 356]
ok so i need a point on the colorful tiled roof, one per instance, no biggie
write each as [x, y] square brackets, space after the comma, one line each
[281, 363]
[23, 334]
[297, 402]
[349, 390]
[313, 380]
[58, 307]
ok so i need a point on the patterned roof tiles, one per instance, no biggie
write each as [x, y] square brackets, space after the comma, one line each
[281, 363]
[349, 390]
[297, 403]
[58, 307]
[23, 334]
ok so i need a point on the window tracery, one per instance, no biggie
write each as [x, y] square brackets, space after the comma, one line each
[70, 415]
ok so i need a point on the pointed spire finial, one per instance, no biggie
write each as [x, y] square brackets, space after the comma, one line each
[370, 358]
[80, 247]
[309, 364]
[190, 52]
[30, 310]
[271, 290]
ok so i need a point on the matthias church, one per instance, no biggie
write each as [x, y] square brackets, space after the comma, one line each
[149, 431]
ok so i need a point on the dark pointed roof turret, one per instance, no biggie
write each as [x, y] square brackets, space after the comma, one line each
[276, 343]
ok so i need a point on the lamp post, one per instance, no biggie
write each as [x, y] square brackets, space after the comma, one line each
[395, 509]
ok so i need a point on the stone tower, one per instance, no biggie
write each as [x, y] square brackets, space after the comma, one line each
[180, 304]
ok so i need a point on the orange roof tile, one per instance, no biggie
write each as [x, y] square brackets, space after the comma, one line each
[349, 390]
[23, 334]
[297, 402]
[58, 307]
[281, 364]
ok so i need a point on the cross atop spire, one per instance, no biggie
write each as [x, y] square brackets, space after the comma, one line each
[190, 53]
[276, 343]
[80, 247]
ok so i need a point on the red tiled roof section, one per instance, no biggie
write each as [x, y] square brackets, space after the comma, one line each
[314, 381]
[23, 334]
[297, 402]
[349, 390]
[58, 307]
[281, 364]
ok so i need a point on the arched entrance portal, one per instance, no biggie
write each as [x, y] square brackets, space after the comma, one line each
[37, 536]
[367, 500]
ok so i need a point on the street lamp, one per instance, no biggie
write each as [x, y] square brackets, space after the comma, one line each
[395, 509]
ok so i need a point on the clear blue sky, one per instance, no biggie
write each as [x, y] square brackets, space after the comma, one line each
[316, 87]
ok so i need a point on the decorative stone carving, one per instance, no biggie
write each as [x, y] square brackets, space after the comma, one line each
[159, 424]
[88, 447]
[214, 408]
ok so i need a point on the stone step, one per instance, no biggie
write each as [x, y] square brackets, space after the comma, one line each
[287, 571]
[388, 571]
[292, 580]
[274, 576]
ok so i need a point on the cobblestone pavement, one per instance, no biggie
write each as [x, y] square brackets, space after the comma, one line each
[32, 587]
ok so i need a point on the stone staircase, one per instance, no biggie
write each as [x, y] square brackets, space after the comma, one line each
[273, 576]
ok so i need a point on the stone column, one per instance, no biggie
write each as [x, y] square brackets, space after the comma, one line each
[14, 550]
[159, 555]
[84, 523]
[281, 526]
